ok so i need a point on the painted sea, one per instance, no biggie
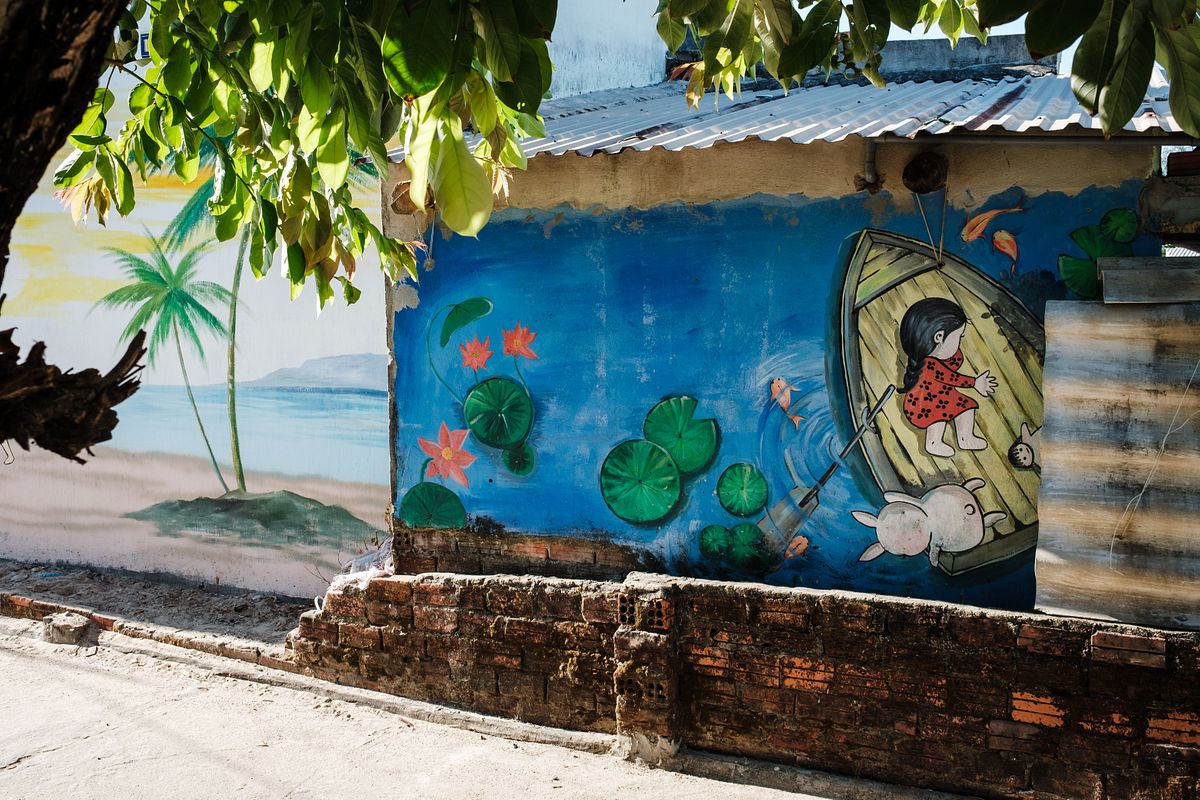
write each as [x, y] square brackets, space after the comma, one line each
[340, 435]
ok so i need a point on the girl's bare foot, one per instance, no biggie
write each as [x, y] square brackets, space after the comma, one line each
[934, 444]
[964, 428]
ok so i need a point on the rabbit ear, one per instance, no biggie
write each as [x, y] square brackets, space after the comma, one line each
[866, 519]
[991, 519]
[901, 497]
[974, 483]
[873, 552]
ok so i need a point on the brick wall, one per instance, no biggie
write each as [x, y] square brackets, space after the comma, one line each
[921, 693]
[488, 550]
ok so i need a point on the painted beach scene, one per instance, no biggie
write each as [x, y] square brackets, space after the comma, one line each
[255, 454]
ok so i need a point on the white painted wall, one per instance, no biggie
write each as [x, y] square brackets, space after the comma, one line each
[605, 44]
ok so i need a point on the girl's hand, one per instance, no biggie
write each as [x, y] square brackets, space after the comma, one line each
[985, 384]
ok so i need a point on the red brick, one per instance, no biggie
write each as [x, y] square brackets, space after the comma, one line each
[1176, 727]
[561, 603]
[806, 674]
[983, 632]
[1052, 641]
[1068, 781]
[1037, 709]
[435, 594]
[600, 607]
[718, 607]
[400, 643]
[363, 637]
[392, 589]
[1119, 648]
[314, 626]
[345, 606]
[435, 619]
[510, 601]
[413, 565]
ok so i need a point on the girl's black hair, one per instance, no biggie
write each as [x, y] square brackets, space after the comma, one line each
[923, 319]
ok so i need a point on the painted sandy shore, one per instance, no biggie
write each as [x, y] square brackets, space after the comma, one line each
[85, 521]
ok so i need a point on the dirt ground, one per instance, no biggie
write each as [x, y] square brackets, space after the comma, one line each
[245, 617]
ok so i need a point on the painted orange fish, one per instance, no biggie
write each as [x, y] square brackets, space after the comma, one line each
[977, 224]
[1006, 243]
[781, 393]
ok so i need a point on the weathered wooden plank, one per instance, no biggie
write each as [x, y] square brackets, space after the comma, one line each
[1151, 285]
[1119, 511]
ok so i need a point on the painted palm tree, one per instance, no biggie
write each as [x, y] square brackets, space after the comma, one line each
[194, 218]
[173, 304]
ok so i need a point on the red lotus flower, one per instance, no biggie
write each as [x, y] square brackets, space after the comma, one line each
[449, 458]
[517, 341]
[475, 353]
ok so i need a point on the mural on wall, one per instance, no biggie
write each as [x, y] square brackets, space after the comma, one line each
[798, 391]
[256, 451]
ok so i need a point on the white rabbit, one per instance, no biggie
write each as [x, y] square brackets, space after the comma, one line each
[944, 518]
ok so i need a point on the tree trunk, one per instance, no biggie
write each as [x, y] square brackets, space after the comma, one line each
[231, 378]
[196, 410]
[51, 58]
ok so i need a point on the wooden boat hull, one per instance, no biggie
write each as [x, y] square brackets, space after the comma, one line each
[883, 274]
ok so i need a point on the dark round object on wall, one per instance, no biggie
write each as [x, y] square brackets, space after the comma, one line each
[926, 173]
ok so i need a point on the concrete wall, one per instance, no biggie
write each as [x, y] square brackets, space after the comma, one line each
[712, 285]
[605, 44]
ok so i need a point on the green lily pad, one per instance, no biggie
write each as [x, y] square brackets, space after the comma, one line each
[1080, 275]
[499, 412]
[640, 482]
[691, 442]
[714, 542]
[519, 459]
[431, 505]
[1120, 225]
[746, 547]
[742, 490]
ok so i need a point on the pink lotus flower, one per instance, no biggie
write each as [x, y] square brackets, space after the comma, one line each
[475, 354]
[449, 457]
[517, 341]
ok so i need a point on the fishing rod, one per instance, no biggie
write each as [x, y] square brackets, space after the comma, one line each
[868, 420]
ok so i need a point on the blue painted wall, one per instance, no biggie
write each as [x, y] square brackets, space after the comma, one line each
[711, 301]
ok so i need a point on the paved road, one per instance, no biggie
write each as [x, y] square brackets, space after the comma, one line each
[116, 725]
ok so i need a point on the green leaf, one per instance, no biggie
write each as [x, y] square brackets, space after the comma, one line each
[951, 20]
[124, 193]
[417, 49]
[1126, 90]
[483, 104]
[639, 482]
[998, 12]
[536, 17]
[672, 31]
[316, 86]
[419, 155]
[1054, 25]
[296, 266]
[814, 42]
[74, 168]
[464, 313]
[460, 185]
[333, 161]
[501, 37]
[530, 82]
[261, 55]
[350, 292]
[1096, 54]
[904, 13]
[692, 443]
[1181, 52]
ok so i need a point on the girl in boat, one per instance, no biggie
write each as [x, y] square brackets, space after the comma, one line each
[931, 333]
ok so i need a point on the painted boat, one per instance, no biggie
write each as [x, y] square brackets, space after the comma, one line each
[885, 273]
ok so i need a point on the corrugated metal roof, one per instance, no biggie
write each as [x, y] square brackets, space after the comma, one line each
[658, 116]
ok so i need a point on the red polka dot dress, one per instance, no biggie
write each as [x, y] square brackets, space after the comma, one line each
[935, 397]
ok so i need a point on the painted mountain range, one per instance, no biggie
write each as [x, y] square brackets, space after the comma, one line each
[362, 371]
